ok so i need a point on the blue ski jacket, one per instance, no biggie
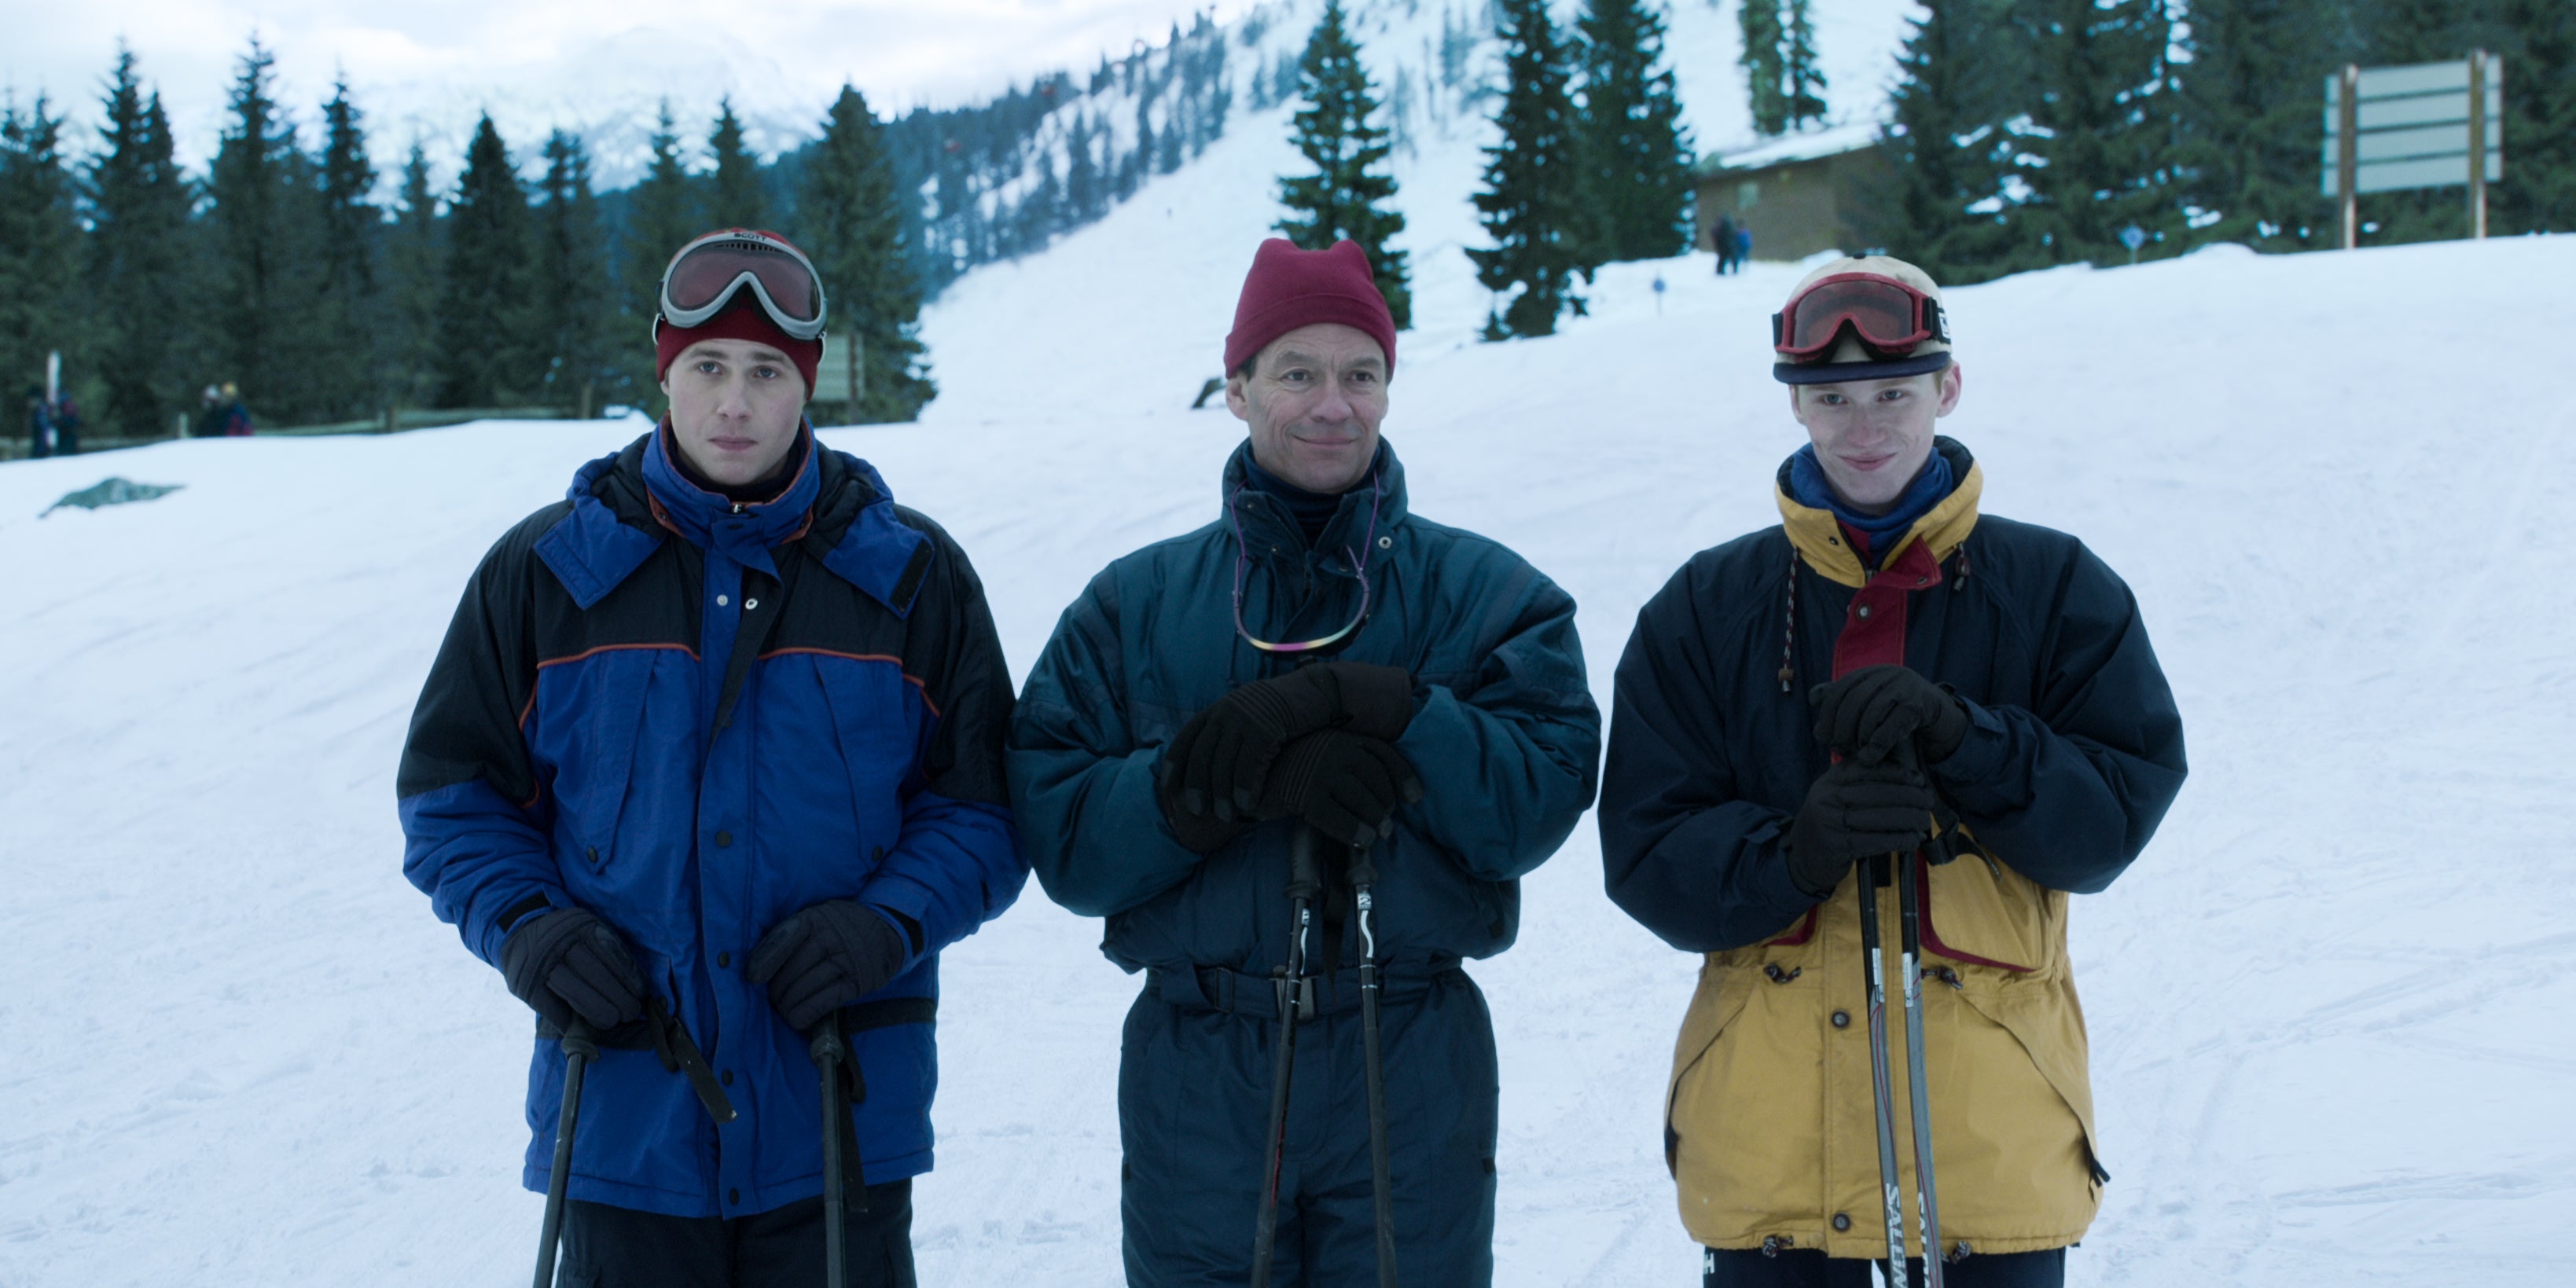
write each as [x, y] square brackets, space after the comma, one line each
[1505, 734]
[695, 718]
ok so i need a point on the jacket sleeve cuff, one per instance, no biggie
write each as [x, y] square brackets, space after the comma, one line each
[1980, 755]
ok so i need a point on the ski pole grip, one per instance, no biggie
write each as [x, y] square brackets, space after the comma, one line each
[824, 1044]
[1305, 863]
[579, 1039]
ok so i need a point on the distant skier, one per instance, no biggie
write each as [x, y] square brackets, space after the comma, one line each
[67, 425]
[1168, 749]
[210, 413]
[232, 416]
[1818, 694]
[1723, 242]
[1743, 246]
[40, 424]
[719, 738]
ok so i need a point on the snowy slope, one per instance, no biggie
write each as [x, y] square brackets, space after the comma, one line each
[2331, 1007]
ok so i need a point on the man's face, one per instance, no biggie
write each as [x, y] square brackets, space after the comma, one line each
[735, 408]
[1314, 401]
[1872, 436]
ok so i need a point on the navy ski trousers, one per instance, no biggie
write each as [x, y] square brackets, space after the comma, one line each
[615, 1247]
[1808, 1268]
[1194, 1081]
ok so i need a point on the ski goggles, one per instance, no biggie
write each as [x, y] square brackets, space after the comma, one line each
[1359, 569]
[707, 273]
[1888, 317]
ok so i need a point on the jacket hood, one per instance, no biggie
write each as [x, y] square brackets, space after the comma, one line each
[853, 528]
[1370, 510]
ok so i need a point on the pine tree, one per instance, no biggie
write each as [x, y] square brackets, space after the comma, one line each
[345, 300]
[734, 198]
[2252, 133]
[573, 311]
[1636, 158]
[1532, 197]
[39, 249]
[261, 216]
[2107, 129]
[484, 347]
[661, 217]
[853, 230]
[415, 270]
[1334, 132]
[1956, 111]
[1760, 59]
[139, 257]
[1802, 78]
[2539, 189]
[1084, 195]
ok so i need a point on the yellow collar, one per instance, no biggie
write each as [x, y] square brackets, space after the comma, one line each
[1818, 536]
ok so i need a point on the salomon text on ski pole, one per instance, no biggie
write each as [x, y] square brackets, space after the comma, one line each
[1882, 1097]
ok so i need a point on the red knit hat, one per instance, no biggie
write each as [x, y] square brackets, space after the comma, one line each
[1289, 288]
[742, 320]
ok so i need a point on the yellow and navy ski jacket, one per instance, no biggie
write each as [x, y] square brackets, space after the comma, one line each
[2074, 754]
[695, 718]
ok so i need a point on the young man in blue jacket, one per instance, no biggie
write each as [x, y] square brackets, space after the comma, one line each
[1168, 747]
[711, 760]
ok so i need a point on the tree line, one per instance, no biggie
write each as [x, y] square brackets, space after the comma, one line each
[284, 267]
[1592, 165]
[2027, 133]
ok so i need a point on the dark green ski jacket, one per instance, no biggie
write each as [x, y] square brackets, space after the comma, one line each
[1505, 733]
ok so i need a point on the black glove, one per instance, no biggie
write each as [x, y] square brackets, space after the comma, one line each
[1867, 714]
[1201, 834]
[1346, 785]
[824, 958]
[1221, 758]
[1854, 812]
[571, 963]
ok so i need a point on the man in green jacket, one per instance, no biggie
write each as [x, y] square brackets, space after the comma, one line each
[1169, 747]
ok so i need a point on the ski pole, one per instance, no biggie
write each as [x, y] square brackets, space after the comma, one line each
[1882, 1097]
[1909, 917]
[1364, 900]
[1296, 999]
[828, 1053]
[580, 1047]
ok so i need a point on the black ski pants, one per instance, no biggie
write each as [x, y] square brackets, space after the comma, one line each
[1194, 1079]
[1808, 1268]
[615, 1247]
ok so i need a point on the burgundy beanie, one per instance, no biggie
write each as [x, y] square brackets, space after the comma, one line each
[743, 319]
[1289, 288]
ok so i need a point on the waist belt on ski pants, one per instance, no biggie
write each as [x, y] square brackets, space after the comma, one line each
[1215, 988]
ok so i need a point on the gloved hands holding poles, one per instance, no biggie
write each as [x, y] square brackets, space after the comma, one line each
[1870, 713]
[826, 957]
[1316, 743]
[570, 963]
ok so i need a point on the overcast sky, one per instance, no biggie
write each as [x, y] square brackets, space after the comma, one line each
[426, 62]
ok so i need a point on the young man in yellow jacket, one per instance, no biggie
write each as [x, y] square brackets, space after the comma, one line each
[1886, 685]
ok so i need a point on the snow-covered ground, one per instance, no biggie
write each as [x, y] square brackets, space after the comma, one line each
[2333, 1008]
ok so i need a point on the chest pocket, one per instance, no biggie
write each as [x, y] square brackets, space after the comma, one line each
[594, 759]
[877, 721]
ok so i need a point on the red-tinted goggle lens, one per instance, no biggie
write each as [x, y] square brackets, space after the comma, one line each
[1887, 315]
[705, 275]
